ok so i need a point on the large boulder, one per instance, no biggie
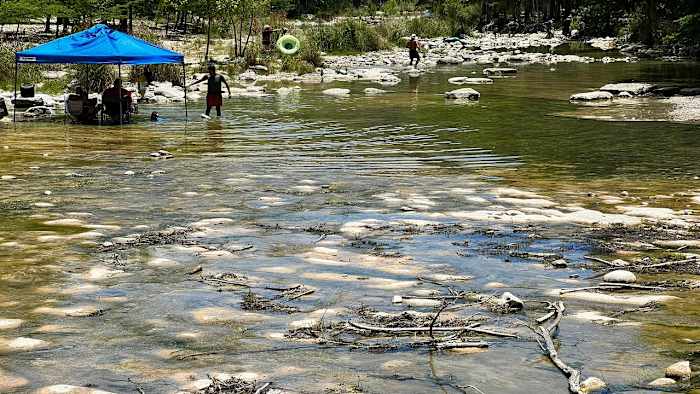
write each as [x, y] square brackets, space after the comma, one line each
[680, 370]
[620, 276]
[463, 93]
[591, 96]
[632, 88]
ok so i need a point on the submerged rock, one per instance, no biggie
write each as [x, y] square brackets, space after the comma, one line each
[68, 389]
[635, 300]
[591, 96]
[662, 382]
[592, 384]
[373, 91]
[21, 344]
[680, 370]
[469, 81]
[464, 93]
[10, 383]
[499, 71]
[338, 92]
[620, 276]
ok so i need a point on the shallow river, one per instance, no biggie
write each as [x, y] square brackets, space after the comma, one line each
[404, 185]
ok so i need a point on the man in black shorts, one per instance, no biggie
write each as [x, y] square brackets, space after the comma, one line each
[413, 46]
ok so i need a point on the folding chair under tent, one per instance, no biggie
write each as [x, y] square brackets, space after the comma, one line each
[99, 44]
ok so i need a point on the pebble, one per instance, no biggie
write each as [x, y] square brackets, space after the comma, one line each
[662, 382]
[7, 177]
[47, 192]
[129, 173]
[620, 276]
[495, 285]
[592, 384]
[338, 92]
[680, 370]
[397, 299]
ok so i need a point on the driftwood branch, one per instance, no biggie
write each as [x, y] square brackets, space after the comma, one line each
[546, 332]
[395, 330]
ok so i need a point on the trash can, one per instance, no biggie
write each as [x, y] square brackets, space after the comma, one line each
[26, 90]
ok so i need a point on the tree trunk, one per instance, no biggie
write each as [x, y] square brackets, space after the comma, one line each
[206, 53]
[47, 25]
[131, 18]
[250, 31]
[167, 22]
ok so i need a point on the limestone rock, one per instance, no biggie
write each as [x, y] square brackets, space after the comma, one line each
[68, 389]
[632, 88]
[620, 276]
[591, 96]
[559, 263]
[464, 93]
[511, 302]
[662, 382]
[469, 81]
[373, 91]
[680, 370]
[337, 92]
[592, 385]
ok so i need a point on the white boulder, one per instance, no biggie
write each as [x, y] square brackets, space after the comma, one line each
[464, 93]
[591, 96]
[620, 276]
[337, 92]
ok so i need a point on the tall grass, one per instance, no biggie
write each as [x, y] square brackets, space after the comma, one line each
[346, 36]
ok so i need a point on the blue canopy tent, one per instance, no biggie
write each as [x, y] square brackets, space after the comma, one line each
[99, 44]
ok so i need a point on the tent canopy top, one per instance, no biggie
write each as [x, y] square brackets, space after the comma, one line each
[98, 45]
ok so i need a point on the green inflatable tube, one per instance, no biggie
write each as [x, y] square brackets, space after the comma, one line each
[288, 44]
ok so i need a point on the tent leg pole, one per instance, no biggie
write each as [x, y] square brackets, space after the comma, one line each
[184, 85]
[121, 110]
[14, 104]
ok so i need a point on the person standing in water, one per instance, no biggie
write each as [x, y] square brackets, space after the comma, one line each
[214, 96]
[413, 46]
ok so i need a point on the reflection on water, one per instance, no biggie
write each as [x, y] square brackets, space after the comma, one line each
[280, 168]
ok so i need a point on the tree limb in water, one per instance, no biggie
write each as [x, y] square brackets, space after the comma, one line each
[470, 328]
[546, 333]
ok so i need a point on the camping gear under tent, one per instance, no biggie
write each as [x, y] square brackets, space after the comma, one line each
[99, 44]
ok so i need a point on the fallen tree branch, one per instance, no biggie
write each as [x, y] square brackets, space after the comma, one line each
[458, 344]
[470, 328]
[666, 264]
[598, 259]
[612, 286]
[262, 388]
[546, 333]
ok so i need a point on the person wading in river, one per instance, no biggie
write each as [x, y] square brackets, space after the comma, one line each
[214, 96]
[413, 46]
